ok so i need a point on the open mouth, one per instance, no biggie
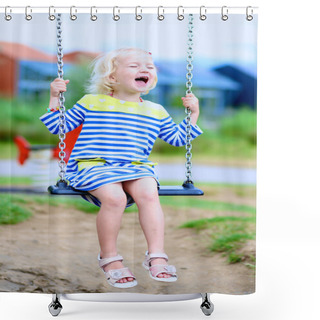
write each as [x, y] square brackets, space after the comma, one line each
[142, 80]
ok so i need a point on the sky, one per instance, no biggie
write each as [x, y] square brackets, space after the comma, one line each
[215, 41]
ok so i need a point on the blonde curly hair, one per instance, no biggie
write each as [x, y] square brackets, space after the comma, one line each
[106, 64]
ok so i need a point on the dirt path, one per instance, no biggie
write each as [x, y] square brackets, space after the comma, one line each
[56, 251]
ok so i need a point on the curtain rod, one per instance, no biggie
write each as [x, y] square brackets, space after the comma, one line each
[128, 9]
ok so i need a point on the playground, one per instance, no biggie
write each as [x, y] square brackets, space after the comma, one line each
[55, 249]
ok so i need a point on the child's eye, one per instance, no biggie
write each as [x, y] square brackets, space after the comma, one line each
[133, 66]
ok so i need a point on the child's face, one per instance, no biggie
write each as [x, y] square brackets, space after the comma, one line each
[135, 73]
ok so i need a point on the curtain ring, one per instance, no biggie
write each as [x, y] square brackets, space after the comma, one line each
[203, 12]
[116, 17]
[160, 16]
[224, 13]
[249, 17]
[180, 14]
[7, 16]
[73, 16]
[52, 16]
[138, 16]
[28, 16]
[93, 17]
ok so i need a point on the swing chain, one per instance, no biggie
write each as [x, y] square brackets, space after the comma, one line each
[189, 76]
[62, 118]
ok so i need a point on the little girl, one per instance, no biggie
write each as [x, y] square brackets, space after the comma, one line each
[110, 157]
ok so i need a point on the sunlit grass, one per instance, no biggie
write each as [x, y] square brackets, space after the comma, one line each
[228, 235]
[13, 209]
[200, 203]
[15, 181]
[208, 222]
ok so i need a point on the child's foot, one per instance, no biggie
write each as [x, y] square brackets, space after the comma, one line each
[157, 265]
[117, 265]
[117, 275]
[161, 261]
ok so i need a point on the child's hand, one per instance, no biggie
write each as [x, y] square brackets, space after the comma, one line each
[57, 86]
[191, 101]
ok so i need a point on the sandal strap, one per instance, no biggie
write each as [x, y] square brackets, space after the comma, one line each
[160, 268]
[151, 256]
[106, 261]
[158, 255]
[115, 275]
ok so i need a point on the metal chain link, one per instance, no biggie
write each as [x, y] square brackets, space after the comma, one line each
[62, 110]
[189, 76]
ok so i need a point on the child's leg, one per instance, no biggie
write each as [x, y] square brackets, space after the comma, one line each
[113, 202]
[144, 191]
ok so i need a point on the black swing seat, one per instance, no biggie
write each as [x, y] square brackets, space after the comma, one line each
[187, 189]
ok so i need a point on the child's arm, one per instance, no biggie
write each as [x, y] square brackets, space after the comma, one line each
[74, 117]
[175, 134]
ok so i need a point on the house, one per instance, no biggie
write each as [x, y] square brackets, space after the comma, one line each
[214, 90]
[28, 72]
[247, 79]
[14, 58]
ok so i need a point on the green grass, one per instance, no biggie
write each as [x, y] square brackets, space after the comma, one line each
[8, 150]
[15, 181]
[13, 209]
[201, 203]
[211, 146]
[241, 124]
[208, 222]
[228, 235]
[230, 242]
[20, 117]
[72, 202]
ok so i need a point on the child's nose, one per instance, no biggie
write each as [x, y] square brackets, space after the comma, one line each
[144, 69]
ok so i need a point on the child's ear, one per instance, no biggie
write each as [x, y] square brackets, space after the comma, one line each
[112, 77]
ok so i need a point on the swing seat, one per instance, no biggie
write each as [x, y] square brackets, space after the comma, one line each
[63, 189]
[187, 189]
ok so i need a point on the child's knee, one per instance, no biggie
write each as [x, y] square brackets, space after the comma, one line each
[148, 195]
[116, 199]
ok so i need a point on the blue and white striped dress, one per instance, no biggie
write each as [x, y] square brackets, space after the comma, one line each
[116, 140]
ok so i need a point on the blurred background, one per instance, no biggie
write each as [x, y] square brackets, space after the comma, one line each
[225, 76]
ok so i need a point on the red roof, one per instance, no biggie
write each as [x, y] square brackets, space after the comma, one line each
[77, 56]
[20, 51]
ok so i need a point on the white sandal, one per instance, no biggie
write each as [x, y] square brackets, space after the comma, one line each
[115, 275]
[155, 270]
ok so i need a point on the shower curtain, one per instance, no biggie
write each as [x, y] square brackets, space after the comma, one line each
[49, 244]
